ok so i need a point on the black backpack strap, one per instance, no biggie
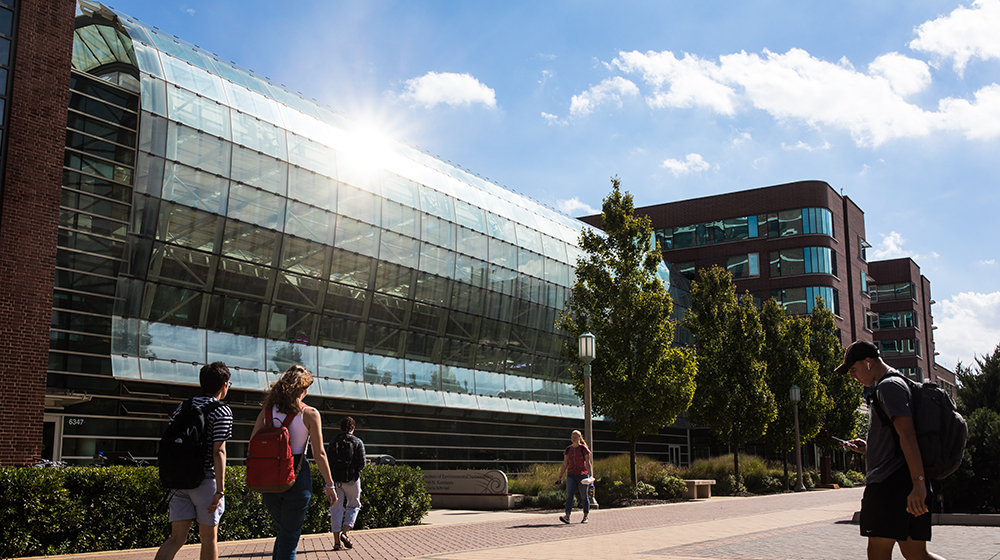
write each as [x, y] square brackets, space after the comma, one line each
[206, 410]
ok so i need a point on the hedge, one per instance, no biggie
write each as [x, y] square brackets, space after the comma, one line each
[88, 509]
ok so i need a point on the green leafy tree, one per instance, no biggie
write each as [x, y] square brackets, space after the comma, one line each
[732, 398]
[786, 352]
[842, 417]
[638, 379]
[979, 389]
[286, 356]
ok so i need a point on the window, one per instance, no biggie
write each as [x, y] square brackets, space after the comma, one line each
[897, 348]
[743, 266]
[800, 301]
[869, 319]
[893, 292]
[863, 247]
[897, 320]
[864, 283]
[805, 260]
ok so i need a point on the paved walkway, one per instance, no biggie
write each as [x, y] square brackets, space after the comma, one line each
[811, 525]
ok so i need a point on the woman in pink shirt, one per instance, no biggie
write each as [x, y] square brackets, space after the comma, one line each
[578, 464]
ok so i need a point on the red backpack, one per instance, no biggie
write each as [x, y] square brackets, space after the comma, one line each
[270, 464]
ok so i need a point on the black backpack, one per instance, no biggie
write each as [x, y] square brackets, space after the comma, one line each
[183, 447]
[343, 466]
[941, 430]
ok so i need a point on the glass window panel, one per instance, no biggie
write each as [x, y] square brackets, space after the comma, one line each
[174, 305]
[303, 256]
[423, 375]
[386, 393]
[293, 325]
[437, 260]
[198, 112]
[400, 219]
[235, 314]
[242, 278]
[437, 203]
[530, 263]
[258, 135]
[170, 342]
[338, 332]
[467, 298]
[309, 222]
[457, 380]
[431, 289]
[245, 352]
[254, 168]
[170, 372]
[567, 395]
[256, 206]
[471, 270]
[529, 238]
[383, 369]
[754, 262]
[521, 407]
[489, 383]
[340, 388]
[359, 171]
[341, 364]
[461, 400]
[438, 231]
[790, 222]
[186, 226]
[389, 310]
[312, 188]
[470, 216]
[683, 236]
[148, 60]
[425, 397]
[474, 243]
[400, 189]
[501, 228]
[253, 103]
[399, 249]
[154, 96]
[198, 149]
[503, 254]
[125, 367]
[300, 291]
[248, 242]
[346, 300]
[359, 205]
[554, 249]
[193, 78]
[311, 155]
[179, 265]
[283, 355]
[194, 188]
[350, 268]
[393, 279]
[152, 137]
[355, 236]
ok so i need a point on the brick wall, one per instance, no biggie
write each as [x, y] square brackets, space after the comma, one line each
[32, 182]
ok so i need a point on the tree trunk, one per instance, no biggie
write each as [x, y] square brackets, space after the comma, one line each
[736, 460]
[631, 462]
[787, 488]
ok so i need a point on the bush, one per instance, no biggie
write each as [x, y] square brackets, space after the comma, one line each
[87, 509]
[669, 487]
[614, 493]
[841, 479]
[855, 477]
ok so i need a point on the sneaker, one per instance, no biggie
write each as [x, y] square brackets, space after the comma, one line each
[564, 519]
[584, 520]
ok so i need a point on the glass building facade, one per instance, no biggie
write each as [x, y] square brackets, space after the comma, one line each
[210, 214]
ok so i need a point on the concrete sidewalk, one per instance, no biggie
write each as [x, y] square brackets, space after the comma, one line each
[813, 525]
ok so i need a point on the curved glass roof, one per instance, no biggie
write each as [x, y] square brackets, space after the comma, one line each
[101, 48]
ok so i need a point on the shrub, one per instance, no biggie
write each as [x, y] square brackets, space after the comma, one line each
[669, 486]
[643, 490]
[855, 477]
[554, 499]
[615, 493]
[841, 480]
[810, 479]
[88, 509]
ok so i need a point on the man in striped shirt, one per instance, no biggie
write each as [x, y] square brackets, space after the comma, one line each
[206, 503]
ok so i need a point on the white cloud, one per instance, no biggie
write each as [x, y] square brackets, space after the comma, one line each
[574, 206]
[800, 145]
[693, 163]
[611, 90]
[891, 247]
[689, 82]
[742, 138]
[546, 56]
[552, 119]
[962, 35]
[905, 75]
[968, 326]
[979, 120]
[990, 262]
[434, 88]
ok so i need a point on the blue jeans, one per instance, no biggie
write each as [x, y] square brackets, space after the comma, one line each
[573, 486]
[288, 509]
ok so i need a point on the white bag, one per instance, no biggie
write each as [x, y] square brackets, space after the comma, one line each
[587, 481]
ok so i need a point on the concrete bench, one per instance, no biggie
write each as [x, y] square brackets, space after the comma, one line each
[698, 489]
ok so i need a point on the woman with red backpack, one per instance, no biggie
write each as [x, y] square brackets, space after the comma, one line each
[288, 508]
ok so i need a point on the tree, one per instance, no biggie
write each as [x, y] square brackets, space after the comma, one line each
[786, 352]
[732, 396]
[639, 380]
[979, 389]
[286, 356]
[841, 418]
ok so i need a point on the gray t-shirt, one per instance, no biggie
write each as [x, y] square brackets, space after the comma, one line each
[883, 455]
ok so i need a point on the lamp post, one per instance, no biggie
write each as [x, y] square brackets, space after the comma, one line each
[588, 350]
[795, 395]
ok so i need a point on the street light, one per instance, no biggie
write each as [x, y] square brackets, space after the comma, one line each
[795, 395]
[588, 350]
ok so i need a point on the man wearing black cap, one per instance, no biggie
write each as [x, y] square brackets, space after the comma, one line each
[895, 507]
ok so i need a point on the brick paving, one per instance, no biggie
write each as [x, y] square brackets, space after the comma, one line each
[812, 525]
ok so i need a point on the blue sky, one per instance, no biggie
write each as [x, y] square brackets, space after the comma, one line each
[896, 104]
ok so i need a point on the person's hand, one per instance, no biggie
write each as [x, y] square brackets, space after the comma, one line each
[558, 481]
[856, 445]
[331, 494]
[916, 502]
[216, 500]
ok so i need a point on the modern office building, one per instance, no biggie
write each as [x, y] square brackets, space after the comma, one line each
[183, 210]
[797, 241]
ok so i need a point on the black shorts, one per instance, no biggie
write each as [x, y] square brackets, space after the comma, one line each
[883, 509]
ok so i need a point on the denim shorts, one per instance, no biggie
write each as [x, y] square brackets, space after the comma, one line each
[194, 503]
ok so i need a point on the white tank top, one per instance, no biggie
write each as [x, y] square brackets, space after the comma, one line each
[297, 431]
